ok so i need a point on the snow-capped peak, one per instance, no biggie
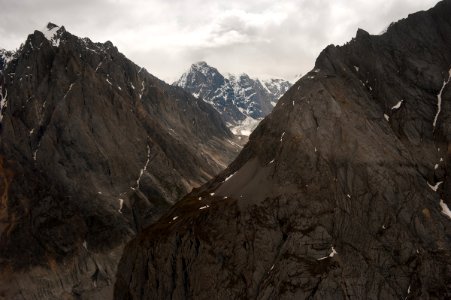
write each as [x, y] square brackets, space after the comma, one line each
[241, 100]
[51, 32]
[201, 64]
[202, 67]
[198, 71]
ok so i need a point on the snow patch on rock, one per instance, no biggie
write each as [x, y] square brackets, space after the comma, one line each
[439, 99]
[435, 187]
[445, 209]
[51, 33]
[397, 105]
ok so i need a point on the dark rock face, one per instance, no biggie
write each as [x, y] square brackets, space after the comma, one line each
[93, 148]
[330, 199]
[234, 97]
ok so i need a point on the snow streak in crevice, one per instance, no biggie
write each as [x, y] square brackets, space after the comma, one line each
[144, 168]
[70, 88]
[3, 101]
[281, 137]
[98, 66]
[445, 209]
[121, 204]
[439, 99]
[142, 90]
[332, 254]
[35, 153]
[228, 177]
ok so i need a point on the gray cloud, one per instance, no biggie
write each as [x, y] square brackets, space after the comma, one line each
[259, 37]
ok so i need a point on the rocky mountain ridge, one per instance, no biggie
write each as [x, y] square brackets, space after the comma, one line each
[92, 149]
[342, 192]
[241, 100]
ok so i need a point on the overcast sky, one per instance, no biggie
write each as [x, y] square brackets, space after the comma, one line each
[259, 37]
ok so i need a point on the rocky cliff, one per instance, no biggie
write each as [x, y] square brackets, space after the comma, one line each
[93, 148]
[343, 191]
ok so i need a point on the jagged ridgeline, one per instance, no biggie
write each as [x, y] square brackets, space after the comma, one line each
[342, 192]
[93, 148]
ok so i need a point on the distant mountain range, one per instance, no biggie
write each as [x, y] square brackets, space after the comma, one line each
[242, 101]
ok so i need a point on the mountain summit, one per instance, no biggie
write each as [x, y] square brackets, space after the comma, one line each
[241, 100]
[53, 33]
[342, 192]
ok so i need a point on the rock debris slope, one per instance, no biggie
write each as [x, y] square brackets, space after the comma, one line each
[241, 100]
[93, 148]
[341, 193]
